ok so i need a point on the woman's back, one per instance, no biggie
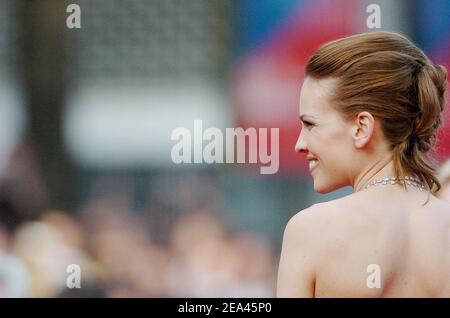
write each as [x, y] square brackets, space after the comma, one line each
[384, 231]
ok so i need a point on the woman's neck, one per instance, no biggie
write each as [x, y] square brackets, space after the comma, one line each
[380, 169]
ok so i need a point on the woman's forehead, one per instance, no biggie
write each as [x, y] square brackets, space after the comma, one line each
[315, 96]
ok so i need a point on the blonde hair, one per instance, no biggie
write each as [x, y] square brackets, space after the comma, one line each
[385, 74]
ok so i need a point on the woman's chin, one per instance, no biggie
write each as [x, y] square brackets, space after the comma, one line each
[324, 189]
[321, 190]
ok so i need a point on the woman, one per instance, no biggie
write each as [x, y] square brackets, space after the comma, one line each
[370, 106]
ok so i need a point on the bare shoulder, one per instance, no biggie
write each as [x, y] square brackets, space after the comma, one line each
[323, 213]
[303, 216]
[331, 222]
[305, 222]
[442, 207]
[308, 226]
[299, 254]
[305, 246]
[381, 225]
[433, 216]
[360, 214]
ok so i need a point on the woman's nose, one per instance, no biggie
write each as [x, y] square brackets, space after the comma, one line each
[300, 145]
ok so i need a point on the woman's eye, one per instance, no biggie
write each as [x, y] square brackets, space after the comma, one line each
[308, 125]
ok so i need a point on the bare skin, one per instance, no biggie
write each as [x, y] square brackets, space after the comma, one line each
[328, 247]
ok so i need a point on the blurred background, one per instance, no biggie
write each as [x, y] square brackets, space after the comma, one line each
[86, 175]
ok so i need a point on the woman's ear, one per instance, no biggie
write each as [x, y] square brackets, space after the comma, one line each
[363, 128]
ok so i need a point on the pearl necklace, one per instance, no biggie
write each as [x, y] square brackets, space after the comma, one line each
[415, 182]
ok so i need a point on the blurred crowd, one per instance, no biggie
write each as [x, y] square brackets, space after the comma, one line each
[118, 252]
[118, 257]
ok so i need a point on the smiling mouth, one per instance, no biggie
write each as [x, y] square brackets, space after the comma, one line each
[312, 164]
